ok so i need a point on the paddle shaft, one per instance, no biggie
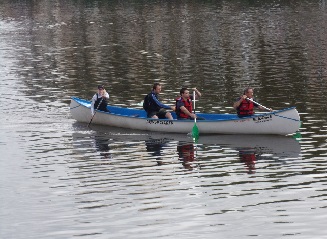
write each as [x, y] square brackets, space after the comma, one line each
[195, 130]
[194, 106]
[258, 104]
[95, 112]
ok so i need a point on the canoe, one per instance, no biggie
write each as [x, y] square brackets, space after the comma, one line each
[280, 122]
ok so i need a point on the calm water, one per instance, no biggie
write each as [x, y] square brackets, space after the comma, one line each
[60, 179]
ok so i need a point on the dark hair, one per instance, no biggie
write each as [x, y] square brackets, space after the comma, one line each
[100, 87]
[247, 89]
[155, 86]
[183, 90]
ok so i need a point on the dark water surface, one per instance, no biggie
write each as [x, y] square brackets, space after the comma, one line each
[60, 179]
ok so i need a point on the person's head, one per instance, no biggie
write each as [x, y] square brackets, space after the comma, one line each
[185, 93]
[100, 87]
[156, 88]
[248, 92]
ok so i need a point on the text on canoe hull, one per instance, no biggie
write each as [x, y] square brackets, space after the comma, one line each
[164, 122]
[262, 118]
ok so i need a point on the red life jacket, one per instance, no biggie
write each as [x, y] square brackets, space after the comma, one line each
[249, 159]
[187, 105]
[186, 152]
[245, 108]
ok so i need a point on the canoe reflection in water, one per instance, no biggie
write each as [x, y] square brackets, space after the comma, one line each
[254, 148]
[249, 150]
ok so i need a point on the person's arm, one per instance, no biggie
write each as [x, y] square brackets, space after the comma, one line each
[197, 93]
[185, 111]
[105, 95]
[161, 105]
[239, 101]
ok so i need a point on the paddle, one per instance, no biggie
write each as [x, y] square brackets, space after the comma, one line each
[95, 112]
[195, 130]
[258, 104]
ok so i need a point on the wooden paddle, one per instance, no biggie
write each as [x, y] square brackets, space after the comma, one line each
[195, 130]
[95, 112]
[258, 104]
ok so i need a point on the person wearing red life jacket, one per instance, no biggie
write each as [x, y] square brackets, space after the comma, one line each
[246, 107]
[184, 108]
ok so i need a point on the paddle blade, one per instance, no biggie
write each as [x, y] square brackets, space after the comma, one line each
[195, 132]
[297, 135]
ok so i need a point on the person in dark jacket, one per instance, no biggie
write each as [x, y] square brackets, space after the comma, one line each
[154, 108]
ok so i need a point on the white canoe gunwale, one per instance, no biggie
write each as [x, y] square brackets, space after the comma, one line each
[280, 122]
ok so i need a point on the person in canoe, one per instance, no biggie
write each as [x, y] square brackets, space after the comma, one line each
[154, 108]
[100, 100]
[244, 106]
[184, 105]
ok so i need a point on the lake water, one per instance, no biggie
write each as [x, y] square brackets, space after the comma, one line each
[61, 179]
